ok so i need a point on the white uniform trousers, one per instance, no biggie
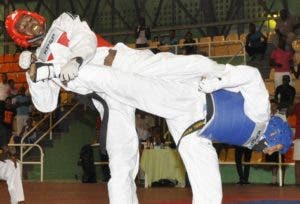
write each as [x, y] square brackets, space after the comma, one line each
[12, 176]
[123, 152]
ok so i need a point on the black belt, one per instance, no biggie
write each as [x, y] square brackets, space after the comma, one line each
[199, 124]
[104, 122]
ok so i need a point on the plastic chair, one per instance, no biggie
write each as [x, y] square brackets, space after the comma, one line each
[230, 156]
[204, 45]
[20, 77]
[131, 45]
[14, 67]
[234, 47]
[9, 58]
[243, 37]
[1, 59]
[256, 157]
[297, 85]
[270, 85]
[218, 46]
[4, 68]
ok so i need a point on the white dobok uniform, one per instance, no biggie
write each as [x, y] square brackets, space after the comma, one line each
[12, 176]
[165, 85]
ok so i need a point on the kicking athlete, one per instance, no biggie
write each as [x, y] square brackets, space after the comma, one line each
[236, 112]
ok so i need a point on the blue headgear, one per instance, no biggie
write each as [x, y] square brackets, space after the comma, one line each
[279, 132]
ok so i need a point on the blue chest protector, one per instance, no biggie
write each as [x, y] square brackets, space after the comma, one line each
[228, 123]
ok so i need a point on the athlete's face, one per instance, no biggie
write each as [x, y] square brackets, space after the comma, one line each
[271, 150]
[28, 25]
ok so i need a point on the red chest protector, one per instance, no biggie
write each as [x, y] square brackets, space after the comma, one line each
[63, 40]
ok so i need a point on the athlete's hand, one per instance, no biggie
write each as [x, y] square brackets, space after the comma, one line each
[70, 70]
[210, 85]
[26, 58]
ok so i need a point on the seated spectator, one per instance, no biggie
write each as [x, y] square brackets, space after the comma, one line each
[256, 42]
[31, 138]
[142, 34]
[155, 44]
[282, 61]
[285, 93]
[171, 40]
[189, 49]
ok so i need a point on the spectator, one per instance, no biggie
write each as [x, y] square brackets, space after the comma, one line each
[286, 26]
[12, 91]
[22, 103]
[8, 117]
[256, 42]
[31, 138]
[285, 93]
[297, 144]
[141, 127]
[3, 90]
[155, 44]
[171, 40]
[142, 34]
[157, 134]
[189, 49]
[282, 61]
[10, 172]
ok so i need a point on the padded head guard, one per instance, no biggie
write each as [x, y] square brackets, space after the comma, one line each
[279, 132]
[10, 23]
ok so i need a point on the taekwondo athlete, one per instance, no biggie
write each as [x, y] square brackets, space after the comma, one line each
[11, 173]
[182, 102]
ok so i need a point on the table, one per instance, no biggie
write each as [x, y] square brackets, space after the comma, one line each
[162, 164]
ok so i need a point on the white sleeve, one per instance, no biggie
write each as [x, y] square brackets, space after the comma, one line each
[128, 59]
[44, 94]
[82, 40]
[249, 82]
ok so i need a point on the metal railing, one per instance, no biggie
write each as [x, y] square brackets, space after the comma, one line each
[40, 162]
[208, 47]
[279, 164]
[23, 145]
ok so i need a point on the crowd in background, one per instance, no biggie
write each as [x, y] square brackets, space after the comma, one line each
[15, 112]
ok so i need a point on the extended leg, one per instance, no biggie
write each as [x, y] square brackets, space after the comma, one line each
[122, 148]
[201, 162]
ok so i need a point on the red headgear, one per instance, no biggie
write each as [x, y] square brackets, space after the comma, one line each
[10, 23]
